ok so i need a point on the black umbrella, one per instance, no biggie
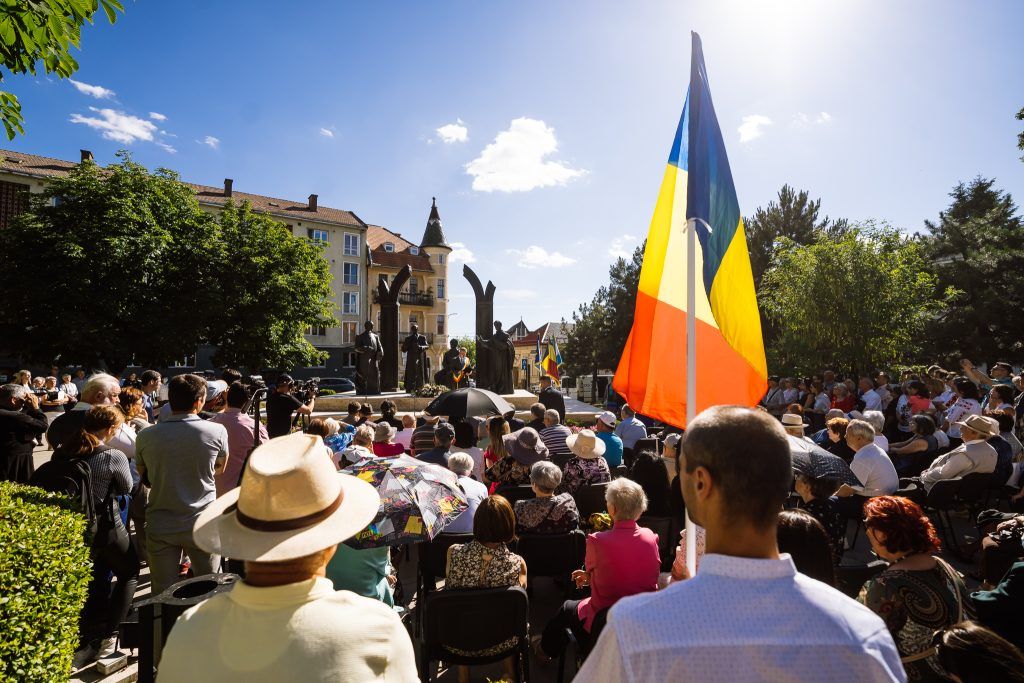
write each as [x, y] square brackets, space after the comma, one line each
[817, 463]
[469, 402]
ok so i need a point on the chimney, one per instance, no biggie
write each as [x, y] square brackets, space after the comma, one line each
[86, 155]
[312, 202]
[227, 186]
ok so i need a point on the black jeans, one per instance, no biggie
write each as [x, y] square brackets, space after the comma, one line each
[554, 639]
[106, 608]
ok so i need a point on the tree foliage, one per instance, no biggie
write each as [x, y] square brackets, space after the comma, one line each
[117, 265]
[977, 248]
[34, 31]
[600, 328]
[856, 302]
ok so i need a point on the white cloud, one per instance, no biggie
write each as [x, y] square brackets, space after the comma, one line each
[97, 91]
[802, 120]
[167, 148]
[327, 132]
[461, 253]
[116, 125]
[453, 132]
[518, 294]
[157, 116]
[538, 257]
[210, 141]
[622, 247]
[514, 162]
[823, 117]
[752, 127]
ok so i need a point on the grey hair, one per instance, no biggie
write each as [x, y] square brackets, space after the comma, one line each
[10, 392]
[628, 498]
[364, 435]
[460, 463]
[861, 430]
[876, 419]
[552, 414]
[834, 412]
[333, 426]
[546, 476]
[101, 381]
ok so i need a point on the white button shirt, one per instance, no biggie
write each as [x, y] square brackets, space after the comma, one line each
[743, 620]
[875, 471]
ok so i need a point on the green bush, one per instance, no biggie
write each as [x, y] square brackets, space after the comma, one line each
[44, 575]
[327, 392]
[430, 390]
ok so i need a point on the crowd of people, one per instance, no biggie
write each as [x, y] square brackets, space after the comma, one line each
[764, 604]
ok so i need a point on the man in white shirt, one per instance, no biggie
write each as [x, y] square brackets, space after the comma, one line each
[747, 615]
[883, 390]
[872, 401]
[974, 456]
[871, 465]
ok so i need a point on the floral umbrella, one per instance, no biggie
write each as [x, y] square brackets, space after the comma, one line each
[417, 500]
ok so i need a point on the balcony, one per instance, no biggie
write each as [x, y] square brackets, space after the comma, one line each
[410, 298]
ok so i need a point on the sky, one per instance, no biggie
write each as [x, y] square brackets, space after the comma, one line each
[543, 127]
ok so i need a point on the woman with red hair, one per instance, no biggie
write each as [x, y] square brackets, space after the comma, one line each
[918, 593]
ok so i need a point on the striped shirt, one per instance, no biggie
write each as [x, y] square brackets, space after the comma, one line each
[554, 438]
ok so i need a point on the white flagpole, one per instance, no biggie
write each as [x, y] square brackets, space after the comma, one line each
[691, 370]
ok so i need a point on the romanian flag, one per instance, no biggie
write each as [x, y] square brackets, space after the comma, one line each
[697, 192]
[550, 362]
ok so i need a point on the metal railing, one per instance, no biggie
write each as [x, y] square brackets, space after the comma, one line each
[410, 298]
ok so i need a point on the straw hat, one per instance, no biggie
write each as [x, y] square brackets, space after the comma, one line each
[585, 444]
[983, 424]
[525, 446]
[794, 420]
[291, 503]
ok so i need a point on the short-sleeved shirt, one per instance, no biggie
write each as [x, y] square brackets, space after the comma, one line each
[180, 454]
[279, 413]
[612, 448]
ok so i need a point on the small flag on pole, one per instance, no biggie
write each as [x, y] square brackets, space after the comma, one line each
[697, 195]
[552, 359]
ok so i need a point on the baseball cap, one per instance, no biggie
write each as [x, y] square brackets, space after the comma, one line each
[607, 417]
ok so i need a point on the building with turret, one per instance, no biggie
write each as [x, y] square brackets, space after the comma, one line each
[424, 299]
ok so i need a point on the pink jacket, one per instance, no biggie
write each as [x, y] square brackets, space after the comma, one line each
[622, 561]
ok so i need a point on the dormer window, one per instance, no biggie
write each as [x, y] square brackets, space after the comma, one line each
[415, 251]
[389, 246]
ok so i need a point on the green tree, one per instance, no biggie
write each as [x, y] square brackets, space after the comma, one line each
[117, 265]
[470, 345]
[977, 248]
[34, 31]
[794, 217]
[856, 302]
[272, 286]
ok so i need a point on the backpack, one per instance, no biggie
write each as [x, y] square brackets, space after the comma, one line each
[71, 477]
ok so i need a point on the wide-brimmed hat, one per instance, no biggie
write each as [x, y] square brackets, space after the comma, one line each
[983, 424]
[383, 432]
[585, 444]
[525, 446]
[291, 503]
[607, 417]
[794, 420]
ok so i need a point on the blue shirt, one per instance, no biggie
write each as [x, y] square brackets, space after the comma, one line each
[612, 449]
[631, 431]
[364, 572]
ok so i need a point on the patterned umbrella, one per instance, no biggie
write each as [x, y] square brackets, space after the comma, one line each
[469, 403]
[417, 500]
[814, 461]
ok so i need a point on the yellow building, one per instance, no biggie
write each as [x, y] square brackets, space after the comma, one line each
[424, 299]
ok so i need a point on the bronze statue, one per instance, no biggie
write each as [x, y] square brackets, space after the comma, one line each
[369, 352]
[455, 367]
[415, 348]
[387, 295]
[501, 355]
[484, 319]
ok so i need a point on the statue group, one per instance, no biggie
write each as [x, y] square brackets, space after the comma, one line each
[377, 357]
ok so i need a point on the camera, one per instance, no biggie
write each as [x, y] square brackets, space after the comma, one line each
[306, 391]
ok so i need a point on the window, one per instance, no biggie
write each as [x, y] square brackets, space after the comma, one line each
[348, 333]
[440, 323]
[440, 288]
[351, 274]
[351, 244]
[415, 251]
[440, 259]
[350, 303]
[413, 320]
[317, 235]
[316, 331]
[348, 359]
[413, 286]
[389, 246]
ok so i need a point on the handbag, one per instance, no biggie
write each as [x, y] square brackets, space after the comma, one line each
[111, 533]
[954, 577]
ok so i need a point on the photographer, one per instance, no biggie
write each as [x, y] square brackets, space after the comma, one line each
[21, 423]
[282, 403]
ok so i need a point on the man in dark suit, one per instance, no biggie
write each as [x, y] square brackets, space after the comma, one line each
[21, 422]
[551, 398]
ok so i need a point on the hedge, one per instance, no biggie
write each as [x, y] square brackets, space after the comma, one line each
[44, 576]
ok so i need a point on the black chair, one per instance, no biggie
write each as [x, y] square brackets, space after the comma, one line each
[851, 578]
[942, 499]
[973, 490]
[620, 471]
[590, 499]
[514, 493]
[561, 459]
[667, 541]
[648, 444]
[433, 560]
[552, 555]
[460, 621]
